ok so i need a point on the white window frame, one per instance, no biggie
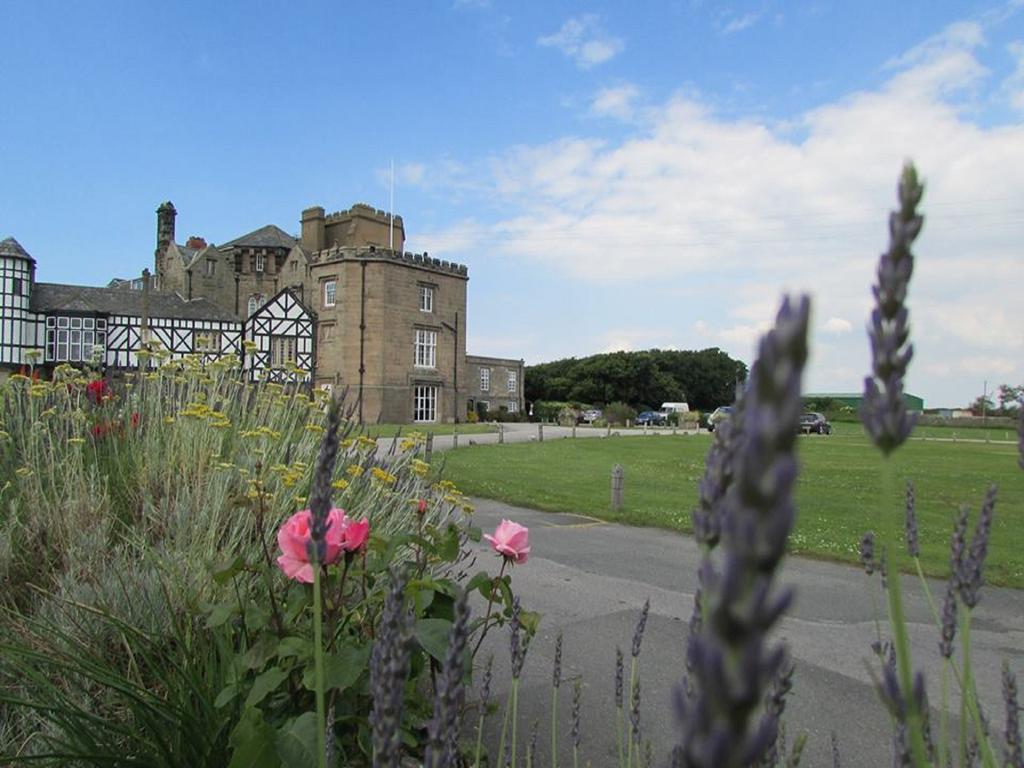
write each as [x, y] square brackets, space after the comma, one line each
[513, 406]
[513, 381]
[283, 350]
[330, 293]
[424, 403]
[261, 262]
[211, 267]
[426, 298]
[206, 341]
[75, 339]
[485, 379]
[425, 348]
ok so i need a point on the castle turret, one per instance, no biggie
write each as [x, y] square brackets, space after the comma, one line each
[17, 274]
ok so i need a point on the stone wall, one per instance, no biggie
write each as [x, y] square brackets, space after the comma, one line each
[497, 395]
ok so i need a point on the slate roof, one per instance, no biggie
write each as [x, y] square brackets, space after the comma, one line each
[55, 297]
[269, 236]
[10, 247]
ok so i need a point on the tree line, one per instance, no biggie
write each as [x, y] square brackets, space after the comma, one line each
[705, 379]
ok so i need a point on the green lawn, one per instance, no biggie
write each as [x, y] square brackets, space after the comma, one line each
[839, 494]
[390, 430]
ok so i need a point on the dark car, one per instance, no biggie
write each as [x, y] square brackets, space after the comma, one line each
[816, 423]
[651, 418]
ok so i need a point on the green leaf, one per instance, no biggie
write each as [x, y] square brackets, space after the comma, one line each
[224, 571]
[253, 742]
[264, 685]
[341, 668]
[294, 646]
[226, 696]
[474, 533]
[296, 742]
[258, 655]
[482, 582]
[530, 621]
[432, 635]
[220, 614]
[256, 617]
[506, 594]
[448, 546]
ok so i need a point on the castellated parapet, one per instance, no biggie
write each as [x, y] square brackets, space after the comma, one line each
[419, 260]
[360, 225]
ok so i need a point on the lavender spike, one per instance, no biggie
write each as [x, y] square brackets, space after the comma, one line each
[911, 523]
[732, 659]
[883, 412]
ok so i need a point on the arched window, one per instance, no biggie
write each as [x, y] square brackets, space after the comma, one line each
[255, 302]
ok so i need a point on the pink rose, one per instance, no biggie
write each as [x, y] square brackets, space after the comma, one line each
[343, 535]
[511, 540]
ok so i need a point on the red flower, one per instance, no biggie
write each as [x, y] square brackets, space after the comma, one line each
[135, 419]
[99, 431]
[97, 391]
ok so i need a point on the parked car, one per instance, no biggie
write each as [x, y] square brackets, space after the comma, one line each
[816, 423]
[651, 419]
[718, 415]
[591, 415]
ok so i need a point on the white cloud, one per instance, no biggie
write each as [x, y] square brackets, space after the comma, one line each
[582, 40]
[747, 210]
[837, 325]
[739, 23]
[1014, 84]
[618, 102]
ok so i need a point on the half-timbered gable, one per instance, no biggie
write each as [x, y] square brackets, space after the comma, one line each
[281, 336]
[109, 325]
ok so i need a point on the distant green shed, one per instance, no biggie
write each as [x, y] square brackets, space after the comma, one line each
[852, 399]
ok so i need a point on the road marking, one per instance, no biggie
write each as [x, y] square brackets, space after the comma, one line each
[593, 523]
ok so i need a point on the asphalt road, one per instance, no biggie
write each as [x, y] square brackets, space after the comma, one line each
[589, 579]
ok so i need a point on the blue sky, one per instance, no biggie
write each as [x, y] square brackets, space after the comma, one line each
[616, 176]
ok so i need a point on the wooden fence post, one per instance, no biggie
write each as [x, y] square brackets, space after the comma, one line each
[618, 475]
[501, 433]
[428, 447]
[540, 432]
[455, 437]
[574, 430]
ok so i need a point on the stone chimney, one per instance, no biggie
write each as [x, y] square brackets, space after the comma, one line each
[164, 230]
[195, 242]
[313, 228]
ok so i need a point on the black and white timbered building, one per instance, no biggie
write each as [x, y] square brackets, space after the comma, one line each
[50, 323]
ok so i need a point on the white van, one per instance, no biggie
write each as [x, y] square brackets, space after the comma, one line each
[668, 408]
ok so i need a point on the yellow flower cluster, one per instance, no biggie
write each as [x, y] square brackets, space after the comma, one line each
[262, 431]
[421, 468]
[354, 470]
[366, 443]
[200, 410]
[412, 440]
[383, 476]
[339, 485]
[453, 495]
